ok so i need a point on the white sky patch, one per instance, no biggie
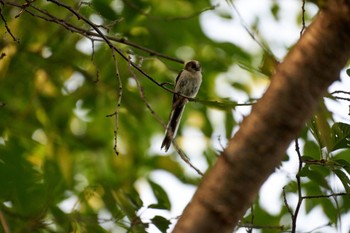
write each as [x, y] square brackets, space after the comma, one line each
[117, 6]
[96, 19]
[2, 141]
[81, 112]
[69, 203]
[73, 83]
[46, 52]
[279, 35]
[40, 136]
[270, 193]
[84, 45]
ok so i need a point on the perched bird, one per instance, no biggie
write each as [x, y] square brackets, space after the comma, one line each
[187, 85]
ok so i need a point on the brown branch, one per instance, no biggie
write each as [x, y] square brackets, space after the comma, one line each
[302, 18]
[6, 26]
[326, 196]
[300, 195]
[286, 203]
[119, 99]
[144, 99]
[185, 158]
[340, 92]
[259, 146]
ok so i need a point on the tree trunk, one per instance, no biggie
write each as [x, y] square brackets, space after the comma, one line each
[258, 147]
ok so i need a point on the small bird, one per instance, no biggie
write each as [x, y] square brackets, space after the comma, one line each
[187, 84]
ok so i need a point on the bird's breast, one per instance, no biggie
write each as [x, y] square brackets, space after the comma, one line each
[188, 84]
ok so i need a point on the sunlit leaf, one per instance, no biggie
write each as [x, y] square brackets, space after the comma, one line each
[343, 178]
[163, 201]
[340, 134]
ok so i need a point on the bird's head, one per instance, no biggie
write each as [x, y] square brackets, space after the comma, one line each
[193, 66]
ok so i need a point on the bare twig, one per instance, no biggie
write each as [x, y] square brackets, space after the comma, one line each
[302, 18]
[286, 203]
[340, 92]
[300, 197]
[143, 97]
[6, 26]
[93, 61]
[119, 99]
[246, 28]
[185, 158]
[326, 196]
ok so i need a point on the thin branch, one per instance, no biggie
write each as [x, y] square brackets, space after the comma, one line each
[300, 197]
[340, 92]
[93, 61]
[6, 26]
[302, 18]
[185, 158]
[106, 38]
[246, 28]
[119, 99]
[326, 196]
[286, 203]
[143, 97]
[98, 33]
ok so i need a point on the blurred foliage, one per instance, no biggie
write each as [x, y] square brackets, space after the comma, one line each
[58, 169]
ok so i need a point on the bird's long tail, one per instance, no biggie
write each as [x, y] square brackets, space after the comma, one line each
[172, 126]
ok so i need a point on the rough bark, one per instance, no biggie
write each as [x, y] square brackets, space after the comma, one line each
[258, 147]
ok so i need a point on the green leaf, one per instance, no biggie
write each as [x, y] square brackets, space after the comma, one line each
[161, 223]
[163, 201]
[343, 178]
[329, 209]
[104, 8]
[311, 150]
[340, 134]
[229, 123]
[315, 175]
[275, 9]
